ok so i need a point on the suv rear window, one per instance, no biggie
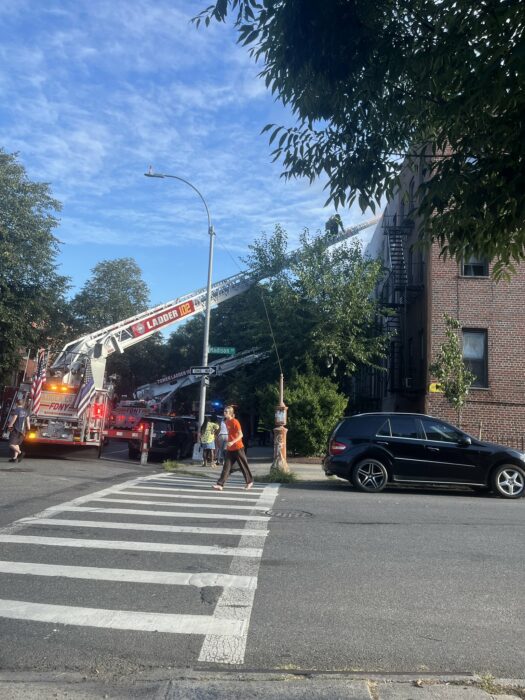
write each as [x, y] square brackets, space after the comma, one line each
[403, 427]
[360, 426]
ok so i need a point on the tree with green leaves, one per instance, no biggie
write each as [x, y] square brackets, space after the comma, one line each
[33, 310]
[449, 368]
[116, 291]
[372, 83]
[323, 306]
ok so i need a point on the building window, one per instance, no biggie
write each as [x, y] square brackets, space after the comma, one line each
[475, 355]
[475, 266]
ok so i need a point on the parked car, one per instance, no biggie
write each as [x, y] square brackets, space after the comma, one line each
[171, 437]
[374, 449]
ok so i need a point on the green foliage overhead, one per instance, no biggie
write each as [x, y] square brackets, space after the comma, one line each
[449, 368]
[32, 305]
[371, 82]
[322, 307]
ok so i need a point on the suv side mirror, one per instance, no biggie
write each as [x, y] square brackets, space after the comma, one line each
[464, 441]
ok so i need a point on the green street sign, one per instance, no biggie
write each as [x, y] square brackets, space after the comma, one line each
[221, 351]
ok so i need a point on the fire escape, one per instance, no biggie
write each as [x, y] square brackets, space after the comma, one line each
[402, 286]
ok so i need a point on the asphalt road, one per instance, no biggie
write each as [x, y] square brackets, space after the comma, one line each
[404, 581]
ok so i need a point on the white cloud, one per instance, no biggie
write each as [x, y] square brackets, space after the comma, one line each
[94, 92]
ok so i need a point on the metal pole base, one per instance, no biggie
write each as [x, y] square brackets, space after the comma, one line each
[279, 449]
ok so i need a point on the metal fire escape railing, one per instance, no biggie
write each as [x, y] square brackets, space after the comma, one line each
[401, 287]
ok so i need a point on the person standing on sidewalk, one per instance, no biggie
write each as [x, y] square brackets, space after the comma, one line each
[234, 452]
[18, 426]
[222, 439]
[209, 430]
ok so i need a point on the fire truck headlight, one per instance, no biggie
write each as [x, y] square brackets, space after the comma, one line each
[31, 435]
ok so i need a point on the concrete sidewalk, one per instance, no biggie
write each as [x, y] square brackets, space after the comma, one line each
[260, 461]
[202, 685]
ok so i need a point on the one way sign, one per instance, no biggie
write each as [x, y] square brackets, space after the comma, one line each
[203, 370]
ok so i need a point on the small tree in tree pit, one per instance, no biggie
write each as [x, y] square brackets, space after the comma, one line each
[449, 369]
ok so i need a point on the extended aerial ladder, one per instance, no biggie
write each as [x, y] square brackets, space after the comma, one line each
[164, 388]
[65, 416]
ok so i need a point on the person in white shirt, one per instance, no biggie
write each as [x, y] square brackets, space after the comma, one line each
[222, 439]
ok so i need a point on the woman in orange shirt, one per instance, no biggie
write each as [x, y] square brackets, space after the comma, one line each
[234, 451]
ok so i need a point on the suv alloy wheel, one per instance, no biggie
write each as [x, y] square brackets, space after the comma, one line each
[508, 481]
[370, 475]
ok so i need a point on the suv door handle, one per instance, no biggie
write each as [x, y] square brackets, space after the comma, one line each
[433, 449]
[382, 442]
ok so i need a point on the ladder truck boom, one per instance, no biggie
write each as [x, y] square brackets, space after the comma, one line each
[164, 388]
[118, 337]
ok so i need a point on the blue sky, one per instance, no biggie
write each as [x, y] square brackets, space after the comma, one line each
[94, 91]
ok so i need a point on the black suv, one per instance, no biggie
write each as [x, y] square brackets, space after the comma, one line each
[171, 437]
[372, 449]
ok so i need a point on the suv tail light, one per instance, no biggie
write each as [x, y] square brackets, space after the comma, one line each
[337, 447]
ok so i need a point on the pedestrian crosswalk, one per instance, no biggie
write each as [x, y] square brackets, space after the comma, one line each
[170, 533]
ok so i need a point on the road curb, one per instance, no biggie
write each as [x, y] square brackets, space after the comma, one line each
[166, 684]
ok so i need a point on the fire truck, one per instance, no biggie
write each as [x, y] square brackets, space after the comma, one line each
[74, 398]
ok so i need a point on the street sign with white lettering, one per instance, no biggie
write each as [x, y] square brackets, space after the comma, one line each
[218, 350]
[203, 370]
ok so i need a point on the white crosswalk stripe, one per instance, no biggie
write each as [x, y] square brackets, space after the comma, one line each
[218, 505]
[162, 513]
[235, 531]
[189, 494]
[173, 497]
[172, 578]
[121, 619]
[197, 482]
[133, 546]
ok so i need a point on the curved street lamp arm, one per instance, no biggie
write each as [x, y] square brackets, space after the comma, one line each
[150, 173]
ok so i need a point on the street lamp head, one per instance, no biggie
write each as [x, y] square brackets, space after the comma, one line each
[150, 173]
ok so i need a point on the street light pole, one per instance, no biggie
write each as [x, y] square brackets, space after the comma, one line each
[205, 344]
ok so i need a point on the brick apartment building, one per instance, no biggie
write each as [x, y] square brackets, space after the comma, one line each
[420, 287]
